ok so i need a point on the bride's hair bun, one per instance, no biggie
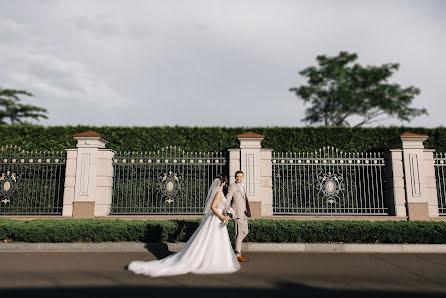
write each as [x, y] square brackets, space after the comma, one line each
[222, 178]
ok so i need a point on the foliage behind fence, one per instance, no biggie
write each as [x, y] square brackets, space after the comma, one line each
[214, 139]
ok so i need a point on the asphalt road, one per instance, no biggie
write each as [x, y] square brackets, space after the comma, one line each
[103, 274]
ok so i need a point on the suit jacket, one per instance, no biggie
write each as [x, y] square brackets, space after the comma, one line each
[236, 200]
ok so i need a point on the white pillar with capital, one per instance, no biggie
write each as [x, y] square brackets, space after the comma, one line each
[89, 177]
[419, 176]
[250, 164]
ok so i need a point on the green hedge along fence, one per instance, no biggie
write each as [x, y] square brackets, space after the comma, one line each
[215, 139]
[261, 230]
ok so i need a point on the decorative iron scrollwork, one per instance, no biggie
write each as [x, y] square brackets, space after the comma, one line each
[330, 185]
[8, 185]
[170, 185]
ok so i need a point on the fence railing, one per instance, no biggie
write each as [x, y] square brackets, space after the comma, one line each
[328, 181]
[169, 181]
[440, 177]
[31, 182]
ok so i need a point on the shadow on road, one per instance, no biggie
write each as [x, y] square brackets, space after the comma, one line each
[159, 250]
[282, 290]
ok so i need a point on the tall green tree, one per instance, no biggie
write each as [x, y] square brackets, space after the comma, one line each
[11, 109]
[339, 89]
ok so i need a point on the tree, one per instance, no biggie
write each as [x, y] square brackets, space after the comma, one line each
[338, 90]
[12, 109]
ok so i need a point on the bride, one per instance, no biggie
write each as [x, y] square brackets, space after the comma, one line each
[207, 251]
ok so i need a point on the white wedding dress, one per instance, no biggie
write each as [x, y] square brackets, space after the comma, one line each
[208, 250]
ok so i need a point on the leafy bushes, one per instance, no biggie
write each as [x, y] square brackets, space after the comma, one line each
[261, 230]
[85, 230]
[215, 139]
[347, 231]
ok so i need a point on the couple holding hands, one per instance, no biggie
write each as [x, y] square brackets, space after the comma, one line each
[209, 249]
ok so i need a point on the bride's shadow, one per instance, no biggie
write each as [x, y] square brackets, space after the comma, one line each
[159, 250]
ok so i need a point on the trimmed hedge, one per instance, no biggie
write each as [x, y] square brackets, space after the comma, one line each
[86, 230]
[261, 230]
[215, 139]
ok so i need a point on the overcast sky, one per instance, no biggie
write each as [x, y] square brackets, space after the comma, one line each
[209, 63]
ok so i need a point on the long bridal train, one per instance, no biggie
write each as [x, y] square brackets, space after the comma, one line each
[208, 251]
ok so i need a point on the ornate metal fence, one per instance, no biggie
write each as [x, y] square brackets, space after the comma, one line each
[328, 181]
[440, 177]
[169, 181]
[31, 182]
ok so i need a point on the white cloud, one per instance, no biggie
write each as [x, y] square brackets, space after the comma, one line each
[181, 61]
[46, 75]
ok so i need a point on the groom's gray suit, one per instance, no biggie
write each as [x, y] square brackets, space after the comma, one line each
[236, 199]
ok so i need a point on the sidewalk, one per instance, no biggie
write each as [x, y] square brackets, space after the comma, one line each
[247, 247]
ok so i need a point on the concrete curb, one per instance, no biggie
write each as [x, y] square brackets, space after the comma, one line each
[247, 247]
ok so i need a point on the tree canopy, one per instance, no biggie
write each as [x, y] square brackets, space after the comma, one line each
[11, 109]
[339, 89]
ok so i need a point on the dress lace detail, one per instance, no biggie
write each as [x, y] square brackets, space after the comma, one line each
[221, 205]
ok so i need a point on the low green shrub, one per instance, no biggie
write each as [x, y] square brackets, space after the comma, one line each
[260, 230]
[86, 230]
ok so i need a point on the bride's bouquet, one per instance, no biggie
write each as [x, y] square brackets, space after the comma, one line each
[229, 212]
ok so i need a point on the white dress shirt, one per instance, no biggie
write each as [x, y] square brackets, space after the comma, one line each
[243, 189]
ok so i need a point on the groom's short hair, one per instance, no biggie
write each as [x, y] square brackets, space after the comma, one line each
[239, 172]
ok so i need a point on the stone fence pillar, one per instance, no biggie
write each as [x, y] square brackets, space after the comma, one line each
[394, 174]
[266, 182]
[255, 162]
[419, 177]
[234, 163]
[89, 177]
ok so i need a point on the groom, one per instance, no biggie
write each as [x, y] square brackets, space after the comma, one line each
[236, 198]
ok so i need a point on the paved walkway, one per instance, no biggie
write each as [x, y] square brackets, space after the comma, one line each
[247, 247]
[103, 274]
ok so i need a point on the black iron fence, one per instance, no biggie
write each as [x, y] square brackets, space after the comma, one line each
[169, 181]
[31, 182]
[440, 177]
[328, 181]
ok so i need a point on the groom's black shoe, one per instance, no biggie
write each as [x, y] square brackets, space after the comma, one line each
[241, 259]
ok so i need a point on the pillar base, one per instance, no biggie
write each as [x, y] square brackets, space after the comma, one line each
[256, 209]
[83, 209]
[418, 211]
